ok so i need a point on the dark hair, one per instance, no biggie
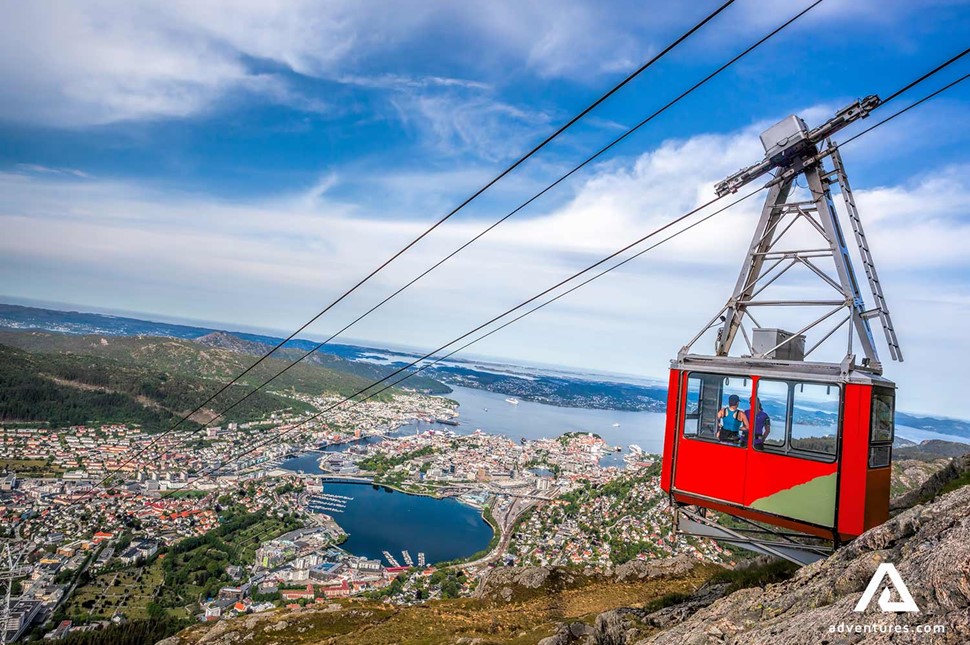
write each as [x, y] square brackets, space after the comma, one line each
[734, 399]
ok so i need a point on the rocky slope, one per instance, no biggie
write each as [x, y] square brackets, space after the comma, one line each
[929, 545]
[931, 449]
[951, 475]
[910, 475]
[225, 340]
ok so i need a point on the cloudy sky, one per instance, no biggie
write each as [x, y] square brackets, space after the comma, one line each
[245, 162]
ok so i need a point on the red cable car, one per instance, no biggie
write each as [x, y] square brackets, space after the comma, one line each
[797, 452]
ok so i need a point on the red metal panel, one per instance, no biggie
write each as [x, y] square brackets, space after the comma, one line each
[710, 469]
[670, 432]
[854, 459]
[878, 481]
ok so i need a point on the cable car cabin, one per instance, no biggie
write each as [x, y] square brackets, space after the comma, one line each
[797, 450]
[814, 457]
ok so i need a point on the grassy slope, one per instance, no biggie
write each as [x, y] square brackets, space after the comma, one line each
[524, 620]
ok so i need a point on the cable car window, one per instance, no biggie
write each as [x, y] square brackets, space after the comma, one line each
[880, 456]
[770, 422]
[714, 408]
[814, 417]
[692, 407]
[882, 430]
[882, 416]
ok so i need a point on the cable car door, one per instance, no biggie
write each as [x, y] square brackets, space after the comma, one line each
[791, 469]
[711, 461]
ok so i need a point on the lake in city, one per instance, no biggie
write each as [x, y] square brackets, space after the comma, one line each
[380, 519]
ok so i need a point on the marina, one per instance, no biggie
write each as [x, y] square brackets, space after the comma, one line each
[328, 503]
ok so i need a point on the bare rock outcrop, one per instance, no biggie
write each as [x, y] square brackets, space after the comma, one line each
[629, 625]
[576, 633]
[934, 484]
[911, 474]
[929, 546]
[507, 583]
[677, 566]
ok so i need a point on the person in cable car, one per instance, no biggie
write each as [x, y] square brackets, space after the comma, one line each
[731, 421]
[762, 424]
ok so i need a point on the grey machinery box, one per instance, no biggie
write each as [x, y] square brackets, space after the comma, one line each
[764, 339]
[783, 136]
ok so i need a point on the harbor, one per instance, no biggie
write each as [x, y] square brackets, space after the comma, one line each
[406, 556]
[377, 518]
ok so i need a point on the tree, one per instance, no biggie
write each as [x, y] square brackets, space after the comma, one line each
[450, 588]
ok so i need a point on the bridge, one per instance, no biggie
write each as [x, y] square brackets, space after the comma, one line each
[445, 488]
[329, 478]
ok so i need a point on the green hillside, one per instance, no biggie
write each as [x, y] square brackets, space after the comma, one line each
[175, 355]
[67, 379]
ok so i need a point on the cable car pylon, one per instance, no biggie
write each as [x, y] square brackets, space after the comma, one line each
[793, 453]
[12, 552]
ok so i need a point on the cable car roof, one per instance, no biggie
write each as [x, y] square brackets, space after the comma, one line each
[790, 370]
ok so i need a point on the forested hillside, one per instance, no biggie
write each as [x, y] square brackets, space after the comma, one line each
[71, 389]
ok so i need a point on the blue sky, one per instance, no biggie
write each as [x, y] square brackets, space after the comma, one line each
[245, 162]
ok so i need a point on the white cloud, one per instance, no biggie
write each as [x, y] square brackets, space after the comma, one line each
[32, 167]
[923, 224]
[71, 64]
[454, 123]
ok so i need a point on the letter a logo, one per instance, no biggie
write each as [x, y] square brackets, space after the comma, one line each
[887, 569]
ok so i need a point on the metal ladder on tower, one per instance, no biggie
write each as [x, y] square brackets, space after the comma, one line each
[881, 309]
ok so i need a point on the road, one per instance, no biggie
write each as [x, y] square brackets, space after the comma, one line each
[505, 519]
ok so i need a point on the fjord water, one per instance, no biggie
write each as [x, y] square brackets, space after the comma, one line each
[490, 412]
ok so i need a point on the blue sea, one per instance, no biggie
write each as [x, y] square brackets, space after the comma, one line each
[380, 519]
